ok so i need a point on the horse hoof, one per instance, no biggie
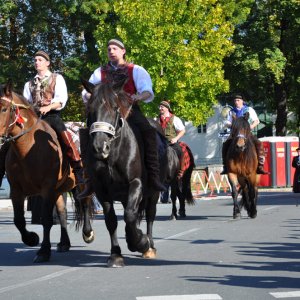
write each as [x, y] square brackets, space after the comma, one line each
[31, 239]
[88, 239]
[173, 217]
[237, 216]
[115, 261]
[151, 253]
[40, 258]
[62, 248]
[182, 215]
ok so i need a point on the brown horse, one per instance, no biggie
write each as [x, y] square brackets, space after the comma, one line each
[241, 161]
[36, 165]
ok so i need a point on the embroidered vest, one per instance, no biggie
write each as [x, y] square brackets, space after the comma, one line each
[110, 74]
[42, 91]
[169, 130]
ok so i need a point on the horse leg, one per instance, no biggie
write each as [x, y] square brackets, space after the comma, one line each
[64, 244]
[44, 253]
[173, 197]
[181, 205]
[234, 194]
[30, 239]
[83, 211]
[115, 259]
[150, 217]
[252, 213]
[136, 240]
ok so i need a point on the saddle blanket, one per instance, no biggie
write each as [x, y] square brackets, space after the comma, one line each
[186, 155]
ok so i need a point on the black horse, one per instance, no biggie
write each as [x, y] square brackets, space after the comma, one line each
[180, 188]
[115, 164]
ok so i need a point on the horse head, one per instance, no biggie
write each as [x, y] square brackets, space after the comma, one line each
[241, 132]
[12, 122]
[106, 109]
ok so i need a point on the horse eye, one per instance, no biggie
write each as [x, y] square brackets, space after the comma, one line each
[4, 109]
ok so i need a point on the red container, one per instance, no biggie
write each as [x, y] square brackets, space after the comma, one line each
[266, 180]
[280, 169]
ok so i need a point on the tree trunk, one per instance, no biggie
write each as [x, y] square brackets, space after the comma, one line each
[281, 107]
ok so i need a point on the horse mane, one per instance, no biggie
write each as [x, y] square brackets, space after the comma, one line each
[112, 95]
[239, 125]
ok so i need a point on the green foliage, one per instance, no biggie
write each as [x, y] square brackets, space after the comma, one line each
[265, 63]
[181, 44]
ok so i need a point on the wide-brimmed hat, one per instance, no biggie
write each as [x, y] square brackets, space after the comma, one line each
[166, 104]
[43, 54]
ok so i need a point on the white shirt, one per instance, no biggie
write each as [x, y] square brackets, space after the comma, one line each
[252, 117]
[60, 90]
[141, 78]
[177, 123]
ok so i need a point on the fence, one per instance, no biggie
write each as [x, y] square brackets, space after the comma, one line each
[209, 182]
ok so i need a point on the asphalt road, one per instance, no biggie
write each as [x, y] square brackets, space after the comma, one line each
[208, 255]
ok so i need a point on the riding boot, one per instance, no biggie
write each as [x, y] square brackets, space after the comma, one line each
[3, 151]
[260, 157]
[151, 159]
[182, 165]
[73, 155]
[88, 188]
[225, 148]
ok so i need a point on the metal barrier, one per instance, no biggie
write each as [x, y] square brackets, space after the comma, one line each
[212, 183]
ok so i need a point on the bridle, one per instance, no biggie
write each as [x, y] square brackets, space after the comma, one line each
[112, 130]
[16, 118]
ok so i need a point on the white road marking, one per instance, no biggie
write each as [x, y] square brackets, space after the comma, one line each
[176, 235]
[44, 278]
[293, 294]
[183, 297]
[272, 207]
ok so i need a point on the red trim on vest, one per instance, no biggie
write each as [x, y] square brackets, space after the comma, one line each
[129, 86]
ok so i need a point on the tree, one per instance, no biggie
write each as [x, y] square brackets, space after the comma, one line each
[182, 45]
[265, 63]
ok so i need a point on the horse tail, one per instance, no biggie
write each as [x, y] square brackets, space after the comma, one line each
[187, 179]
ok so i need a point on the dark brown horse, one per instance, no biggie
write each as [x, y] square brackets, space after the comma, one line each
[36, 165]
[242, 163]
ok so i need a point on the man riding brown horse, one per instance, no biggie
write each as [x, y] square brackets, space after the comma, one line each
[47, 92]
[238, 111]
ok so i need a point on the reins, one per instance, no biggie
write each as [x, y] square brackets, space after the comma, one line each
[14, 108]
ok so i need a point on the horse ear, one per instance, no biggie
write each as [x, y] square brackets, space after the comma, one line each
[246, 116]
[8, 88]
[87, 85]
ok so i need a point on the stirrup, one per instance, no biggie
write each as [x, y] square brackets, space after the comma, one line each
[180, 174]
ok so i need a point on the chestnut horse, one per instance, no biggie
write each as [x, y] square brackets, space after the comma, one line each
[241, 161]
[36, 165]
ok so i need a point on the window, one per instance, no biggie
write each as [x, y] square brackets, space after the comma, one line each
[202, 128]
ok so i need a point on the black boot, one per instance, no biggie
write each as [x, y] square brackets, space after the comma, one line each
[73, 155]
[260, 156]
[3, 151]
[88, 188]
[224, 171]
[151, 160]
[225, 147]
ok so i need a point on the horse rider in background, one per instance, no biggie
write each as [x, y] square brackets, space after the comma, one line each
[139, 88]
[47, 92]
[174, 129]
[239, 110]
